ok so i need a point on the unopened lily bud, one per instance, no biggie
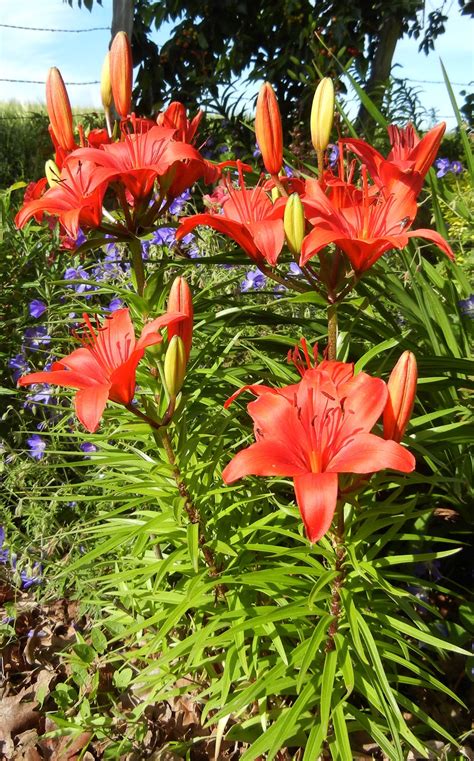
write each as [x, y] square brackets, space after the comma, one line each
[322, 114]
[52, 172]
[294, 223]
[105, 84]
[121, 72]
[181, 300]
[175, 365]
[59, 110]
[268, 129]
[401, 397]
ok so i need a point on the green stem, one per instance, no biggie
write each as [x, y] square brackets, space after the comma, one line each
[335, 603]
[279, 185]
[332, 331]
[137, 264]
[320, 157]
[191, 510]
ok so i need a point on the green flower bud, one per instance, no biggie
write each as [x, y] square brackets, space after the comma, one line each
[175, 365]
[294, 223]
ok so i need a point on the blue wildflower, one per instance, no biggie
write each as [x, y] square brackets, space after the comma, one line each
[36, 337]
[456, 167]
[257, 152]
[333, 155]
[87, 447]
[29, 581]
[164, 236]
[443, 166]
[37, 308]
[179, 203]
[78, 273]
[254, 279]
[115, 304]
[466, 307]
[295, 270]
[41, 395]
[3, 552]
[288, 171]
[19, 365]
[37, 446]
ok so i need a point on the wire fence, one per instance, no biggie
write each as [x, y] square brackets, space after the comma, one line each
[46, 29]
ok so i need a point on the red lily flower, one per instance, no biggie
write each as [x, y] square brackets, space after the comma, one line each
[76, 199]
[105, 367]
[408, 161]
[139, 159]
[249, 218]
[314, 430]
[365, 228]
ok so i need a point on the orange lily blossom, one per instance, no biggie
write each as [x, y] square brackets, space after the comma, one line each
[249, 218]
[140, 159]
[105, 367]
[408, 162]
[364, 229]
[76, 199]
[314, 430]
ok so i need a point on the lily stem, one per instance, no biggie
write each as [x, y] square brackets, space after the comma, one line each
[279, 185]
[332, 331]
[191, 510]
[137, 264]
[320, 157]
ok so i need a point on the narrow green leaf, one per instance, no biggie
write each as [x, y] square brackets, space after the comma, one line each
[343, 742]
[192, 532]
[316, 638]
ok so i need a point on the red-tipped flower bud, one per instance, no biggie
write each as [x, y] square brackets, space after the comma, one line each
[59, 110]
[181, 300]
[401, 397]
[121, 73]
[268, 130]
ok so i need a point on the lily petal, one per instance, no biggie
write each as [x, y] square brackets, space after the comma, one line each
[265, 458]
[436, 238]
[367, 453]
[316, 495]
[90, 404]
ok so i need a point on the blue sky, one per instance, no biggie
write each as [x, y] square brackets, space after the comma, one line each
[29, 54]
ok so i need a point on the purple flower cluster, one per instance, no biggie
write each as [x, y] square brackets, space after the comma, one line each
[444, 166]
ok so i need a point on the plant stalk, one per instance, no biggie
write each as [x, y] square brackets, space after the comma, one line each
[332, 331]
[137, 264]
[192, 511]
